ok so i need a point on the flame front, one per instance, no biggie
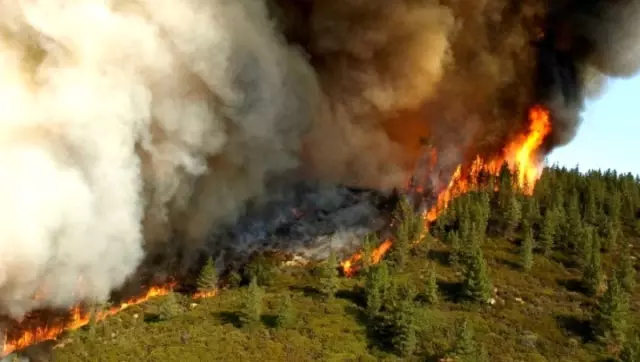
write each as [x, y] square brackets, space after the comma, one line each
[521, 155]
[78, 318]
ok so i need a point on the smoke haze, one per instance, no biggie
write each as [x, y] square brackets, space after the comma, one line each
[128, 126]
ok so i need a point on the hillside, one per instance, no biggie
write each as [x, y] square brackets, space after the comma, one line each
[500, 277]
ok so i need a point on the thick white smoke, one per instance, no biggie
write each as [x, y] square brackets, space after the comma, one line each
[123, 120]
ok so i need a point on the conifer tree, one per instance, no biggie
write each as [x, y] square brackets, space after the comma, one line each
[591, 212]
[612, 233]
[592, 272]
[614, 206]
[169, 307]
[548, 231]
[410, 230]
[466, 348]
[454, 256]
[531, 211]
[477, 285]
[286, 313]
[208, 279]
[527, 249]
[376, 285]
[610, 320]
[631, 348]
[465, 231]
[585, 243]
[252, 304]
[369, 244]
[234, 279]
[513, 215]
[483, 206]
[329, 280]
[404, 328]
[574, 229]
[431, 287]
[626, 272]
[400, 250]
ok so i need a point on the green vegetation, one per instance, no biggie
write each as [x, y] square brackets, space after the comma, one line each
[169, 307]
[208, 279]
[504, 277]
[251, 309]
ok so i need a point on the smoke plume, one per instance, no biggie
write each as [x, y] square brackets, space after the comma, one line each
[129, 126]
[124, 121]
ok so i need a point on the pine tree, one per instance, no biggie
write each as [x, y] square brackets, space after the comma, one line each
[531, 211]
[404, 328]
[592, 272]
[261, 268]
[477, 285]
[513, 215]
[369, 244]
[286, 313]
[329, 280]
[591, 212]
[527, 249]
[376, 285]
[456, 248]
[612, 232]
[234, 279]
[626, 272]
[611, 317]
[252, 304]
[548, 231]
[431, 288]
[614, 206]
[631, 348]
[170, 306]
[208, 279]
[400, 250]
[586, 237]
[465, 348]
[574, 225]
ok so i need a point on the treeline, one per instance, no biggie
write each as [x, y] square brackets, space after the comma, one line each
[574, 218]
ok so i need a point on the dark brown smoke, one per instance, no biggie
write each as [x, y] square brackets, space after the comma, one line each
[462, 73]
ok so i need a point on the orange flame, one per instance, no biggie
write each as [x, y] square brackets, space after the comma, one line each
[205, 294]
[78, 318]
[348, 266]
[521, 155]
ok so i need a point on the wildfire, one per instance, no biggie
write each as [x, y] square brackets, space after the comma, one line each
[78, 318]
[521, 155]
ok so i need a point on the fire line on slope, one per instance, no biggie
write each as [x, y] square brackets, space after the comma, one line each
[521, 155]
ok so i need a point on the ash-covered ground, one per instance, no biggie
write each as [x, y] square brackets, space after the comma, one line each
[307, 221]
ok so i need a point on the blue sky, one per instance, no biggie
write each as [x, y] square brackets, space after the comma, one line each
[609, 134]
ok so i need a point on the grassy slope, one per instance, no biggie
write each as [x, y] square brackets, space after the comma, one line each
[550, 323]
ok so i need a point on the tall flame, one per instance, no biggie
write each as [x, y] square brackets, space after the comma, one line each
[521, 154]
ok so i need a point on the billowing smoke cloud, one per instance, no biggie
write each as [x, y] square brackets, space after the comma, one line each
[129, 126]
[122, 121]
[585, 42]
[462, 72]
